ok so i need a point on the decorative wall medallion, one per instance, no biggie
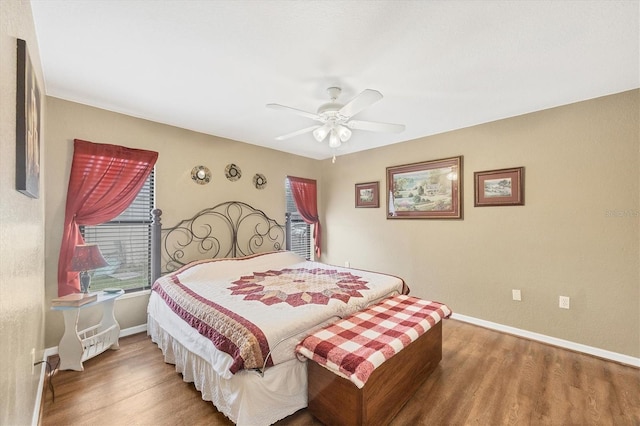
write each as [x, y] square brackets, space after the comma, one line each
[232, 172]
[259, 181]
[201, 175]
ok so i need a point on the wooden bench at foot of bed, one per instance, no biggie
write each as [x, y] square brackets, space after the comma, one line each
[335, 400]
[364, 368]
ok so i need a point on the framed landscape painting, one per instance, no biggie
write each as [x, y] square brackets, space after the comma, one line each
[368, 194]
[427, 190]
[503, 187]
[27, 125]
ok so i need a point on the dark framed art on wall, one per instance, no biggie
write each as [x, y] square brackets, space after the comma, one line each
[27, 125]
[503, 187]
[426, 190]
[368, 194]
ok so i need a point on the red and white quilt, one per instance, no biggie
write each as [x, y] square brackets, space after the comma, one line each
[251, 307]
[355, 346]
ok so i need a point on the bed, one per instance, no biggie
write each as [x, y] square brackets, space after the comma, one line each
[229, 311]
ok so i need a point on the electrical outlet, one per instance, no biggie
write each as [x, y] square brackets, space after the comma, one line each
[516, 295]
[347, 264]
[33, 360]
[564, 302]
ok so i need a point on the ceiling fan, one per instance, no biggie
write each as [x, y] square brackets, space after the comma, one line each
[335, 118]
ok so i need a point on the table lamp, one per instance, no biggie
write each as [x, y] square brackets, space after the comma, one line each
[87, 257]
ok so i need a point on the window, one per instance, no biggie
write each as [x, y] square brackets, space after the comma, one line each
[125, 243]
[298, 232]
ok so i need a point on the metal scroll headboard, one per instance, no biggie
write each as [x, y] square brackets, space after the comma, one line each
[230, 229]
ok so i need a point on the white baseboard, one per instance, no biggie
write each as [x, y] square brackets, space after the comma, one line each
[35, 419]
[577, 347]
[133, 330]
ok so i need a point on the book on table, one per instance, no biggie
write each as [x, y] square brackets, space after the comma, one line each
[74, 299]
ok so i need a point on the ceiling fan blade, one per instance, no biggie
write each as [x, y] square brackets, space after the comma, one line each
[365, 99]
[295, 111]
[375, 126]
[296, 133]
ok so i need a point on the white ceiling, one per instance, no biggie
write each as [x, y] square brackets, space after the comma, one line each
[211, 66]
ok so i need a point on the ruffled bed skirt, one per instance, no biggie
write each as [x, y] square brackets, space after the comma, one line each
[247, 398]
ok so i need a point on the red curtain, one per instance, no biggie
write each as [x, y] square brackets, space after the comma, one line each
[104, 181]
[305, 195]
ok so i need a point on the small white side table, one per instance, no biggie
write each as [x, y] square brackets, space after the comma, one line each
[77, 346]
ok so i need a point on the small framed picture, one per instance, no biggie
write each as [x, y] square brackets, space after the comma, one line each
[503, 187]
[368, 194]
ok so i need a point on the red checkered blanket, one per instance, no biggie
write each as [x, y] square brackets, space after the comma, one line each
[356, 345]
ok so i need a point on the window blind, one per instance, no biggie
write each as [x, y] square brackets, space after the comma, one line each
[125, 243]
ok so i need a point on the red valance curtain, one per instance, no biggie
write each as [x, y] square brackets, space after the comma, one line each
[305, 195]
[104, 180]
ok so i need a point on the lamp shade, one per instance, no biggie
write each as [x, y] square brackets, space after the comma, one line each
[87, 257]
[334, 139]
[344, 133]
[321, 132]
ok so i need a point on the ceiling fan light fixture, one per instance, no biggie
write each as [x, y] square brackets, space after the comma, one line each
[321, 132]
[344, 133]
[336, 118]
[334, 139]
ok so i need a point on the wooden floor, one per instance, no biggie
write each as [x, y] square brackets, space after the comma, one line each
[485, 378]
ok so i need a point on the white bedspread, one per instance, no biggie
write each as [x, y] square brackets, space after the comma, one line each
[278, 297]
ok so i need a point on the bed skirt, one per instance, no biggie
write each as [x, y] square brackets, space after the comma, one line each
[246, 398]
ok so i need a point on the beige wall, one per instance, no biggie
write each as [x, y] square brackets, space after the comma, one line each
[578, 234]
[21, 235]
[176, 194]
